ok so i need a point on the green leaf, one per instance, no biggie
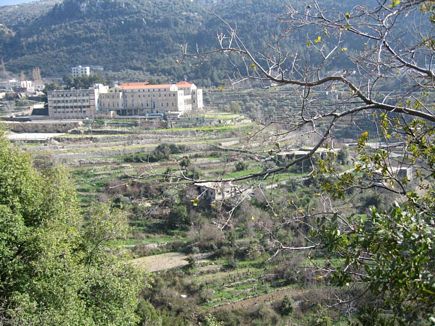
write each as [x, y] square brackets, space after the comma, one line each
[395, 3]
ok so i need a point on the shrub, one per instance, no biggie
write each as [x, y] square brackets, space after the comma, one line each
[241, 166]
[178, 218]
[148, 314]
[160, 153]
[286, 307]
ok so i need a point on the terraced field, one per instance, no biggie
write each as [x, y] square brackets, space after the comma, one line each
[113, 163]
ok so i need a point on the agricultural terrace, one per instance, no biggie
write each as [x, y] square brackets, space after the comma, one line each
[204, 252]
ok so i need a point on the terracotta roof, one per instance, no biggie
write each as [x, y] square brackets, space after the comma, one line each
[137, 85]
[145, 85]
[184, 84]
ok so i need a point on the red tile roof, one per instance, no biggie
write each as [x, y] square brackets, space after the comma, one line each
[184, 84]
[145, 85]
[136, 85]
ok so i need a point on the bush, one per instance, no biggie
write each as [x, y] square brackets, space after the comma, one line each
[241, 166]
[178, 218]
[160, 153]
[286, 307]
[148, 314]
[192, 262]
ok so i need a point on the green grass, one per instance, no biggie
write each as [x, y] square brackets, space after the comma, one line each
[243, 173]
[285, 176]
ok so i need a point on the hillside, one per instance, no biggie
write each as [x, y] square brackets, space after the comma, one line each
[137, 35]
[137, 39]
[24, 13]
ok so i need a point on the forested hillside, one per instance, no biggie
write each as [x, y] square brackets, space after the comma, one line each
[142, 38]
[137, 39]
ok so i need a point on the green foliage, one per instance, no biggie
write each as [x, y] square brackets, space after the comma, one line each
[84, 82]
[179, 218]
[391, 249]
[395, 3]
[185, 162]
[161, 153]
[286, 307]
[148, 314]
[94, 32]
[53, 269]
[210, 320]
[241, 166]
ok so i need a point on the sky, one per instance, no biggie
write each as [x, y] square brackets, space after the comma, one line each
[13, 2]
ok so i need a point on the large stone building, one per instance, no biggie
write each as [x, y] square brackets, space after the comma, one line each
[142, 99]
[80, 71]
[75, 103]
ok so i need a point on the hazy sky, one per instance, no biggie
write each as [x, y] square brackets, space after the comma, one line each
[13, 2]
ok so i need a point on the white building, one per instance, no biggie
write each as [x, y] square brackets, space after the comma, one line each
[219, 191]
[80, 71]
[75, 103]
[10, 84]
[132, 99]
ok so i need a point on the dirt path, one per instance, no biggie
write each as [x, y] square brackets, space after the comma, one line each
[164, 262]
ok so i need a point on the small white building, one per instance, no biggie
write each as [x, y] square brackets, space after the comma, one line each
[219, 191]
[80, 71]
[10, 84]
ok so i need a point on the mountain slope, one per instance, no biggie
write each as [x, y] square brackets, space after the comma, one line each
[137, 39]
[136, 35]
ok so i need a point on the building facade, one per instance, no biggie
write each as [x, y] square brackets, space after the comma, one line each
[142, 99]
[80, 71]
[219, 191]
[75, 103]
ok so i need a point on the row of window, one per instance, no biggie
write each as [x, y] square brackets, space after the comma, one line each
[66, 108]
[84, 100]
[87, 95]
[148, 90]
[151, 95]
[68, 111]
[132, 104]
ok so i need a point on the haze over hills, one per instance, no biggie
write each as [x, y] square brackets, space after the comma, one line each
[13, 2]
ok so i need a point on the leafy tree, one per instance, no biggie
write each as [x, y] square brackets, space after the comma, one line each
[55, 268]
[179, 217]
